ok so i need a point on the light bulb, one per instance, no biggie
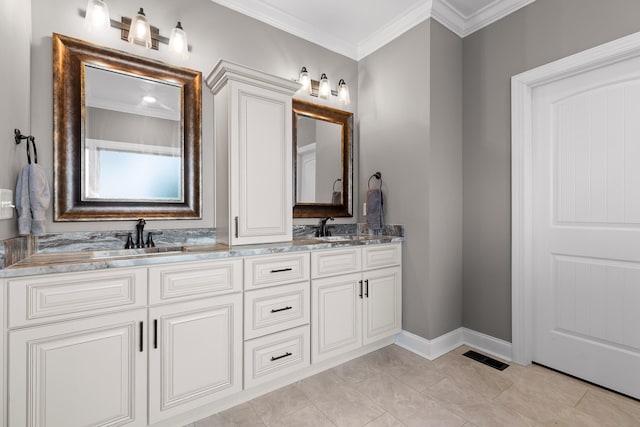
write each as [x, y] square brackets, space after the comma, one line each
[325, 87]
[343, 93]
[178, 42]
[305, 80]
[140, 31]
[97, 15]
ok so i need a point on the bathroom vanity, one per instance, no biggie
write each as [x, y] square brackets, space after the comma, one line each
[169, 338]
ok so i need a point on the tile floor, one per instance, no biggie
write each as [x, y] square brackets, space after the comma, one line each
[394, 387]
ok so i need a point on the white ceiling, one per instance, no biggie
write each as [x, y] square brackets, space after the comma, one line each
[355, 28]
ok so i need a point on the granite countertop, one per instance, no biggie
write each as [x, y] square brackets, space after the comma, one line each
[62, 262]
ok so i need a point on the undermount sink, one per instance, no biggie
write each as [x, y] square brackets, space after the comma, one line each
[119, 253]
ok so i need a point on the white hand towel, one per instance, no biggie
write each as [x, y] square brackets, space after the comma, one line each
[23, 208]
[39, 198]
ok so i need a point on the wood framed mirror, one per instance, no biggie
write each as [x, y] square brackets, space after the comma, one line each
[127, 135]
[323, 161]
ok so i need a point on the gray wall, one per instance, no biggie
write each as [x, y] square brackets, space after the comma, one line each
[15, 31]
[214, 32]
[445, 183]
[541, 32]
[410, 130]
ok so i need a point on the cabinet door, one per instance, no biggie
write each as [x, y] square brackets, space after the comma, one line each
[382, 303]
[336, 325]
[195, 354]
[80, 373]
[260, 185]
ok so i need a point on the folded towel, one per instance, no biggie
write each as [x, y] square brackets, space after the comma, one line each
[375, 215]
[23, 209]
[336, 197]
[39, 198]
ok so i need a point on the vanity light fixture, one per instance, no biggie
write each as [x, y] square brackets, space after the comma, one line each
[136, 30]
[140, 30]
[343, 93]
[325, 87]
[322, 88]
[97, 16]
[305, 80]
[178, 42]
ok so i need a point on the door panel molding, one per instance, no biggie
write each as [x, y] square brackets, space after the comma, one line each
[522, 86]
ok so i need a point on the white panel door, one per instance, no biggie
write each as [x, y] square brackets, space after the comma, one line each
[90, 372]
[261, 165]
[382, 303]
[195, 354]
[586, 156]
[336, 316]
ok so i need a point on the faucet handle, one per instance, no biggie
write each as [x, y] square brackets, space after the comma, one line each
[129, 243]
[150, 243]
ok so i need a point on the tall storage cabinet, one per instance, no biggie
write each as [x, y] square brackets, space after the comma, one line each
[253, 139]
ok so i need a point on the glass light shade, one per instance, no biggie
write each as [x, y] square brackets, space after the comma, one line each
[178, 45]
[305, 80]
[325, 87]
[140, 31]
[97, 15]
[343, 93]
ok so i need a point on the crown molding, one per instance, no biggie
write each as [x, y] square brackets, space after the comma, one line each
[449, 16]
[290, 24]
[489, 14]
[440, 10]
[395, 28]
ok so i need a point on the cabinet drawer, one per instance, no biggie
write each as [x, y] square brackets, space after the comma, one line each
[335, 261]
[51, 297]
[273, 356]
[275, 309]
[176, 282]
[378, 256]
[262, 271]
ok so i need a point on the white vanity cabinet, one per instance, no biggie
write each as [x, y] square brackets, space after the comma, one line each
[253, 140]
[195, 337]
[276, 316]
[130, 346]
[356, 298]
[69, 366]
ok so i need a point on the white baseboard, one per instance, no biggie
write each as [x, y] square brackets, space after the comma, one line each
[487, 344]
[432, 349]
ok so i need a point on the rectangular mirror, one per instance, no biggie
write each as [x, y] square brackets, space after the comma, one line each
[323, 164]
[127, 135]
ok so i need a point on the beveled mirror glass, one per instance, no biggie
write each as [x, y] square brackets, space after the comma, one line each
[127, 135]
[323, 164]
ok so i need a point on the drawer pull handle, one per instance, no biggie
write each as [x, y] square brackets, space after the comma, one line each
[141, 337]
[155, 333]
[282, 270]
[287, 354]
[360, 293]
[366, 288]
[275, 310]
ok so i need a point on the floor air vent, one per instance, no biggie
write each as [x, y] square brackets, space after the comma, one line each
[496, 364]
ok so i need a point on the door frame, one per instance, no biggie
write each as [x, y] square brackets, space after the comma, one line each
[522, 86]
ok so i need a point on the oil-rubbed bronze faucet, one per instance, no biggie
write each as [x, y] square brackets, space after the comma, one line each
[139, 233]
[323, 228]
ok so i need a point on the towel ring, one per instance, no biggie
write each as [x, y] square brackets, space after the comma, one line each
[376, 175]
[335, 182]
